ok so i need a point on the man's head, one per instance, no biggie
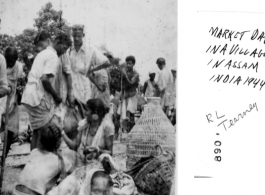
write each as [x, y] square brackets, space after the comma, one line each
[61, 43]
[42, 40]
[110, 57]
[78, 34]
[161, 63]
[50, 138]
[130, 61]
[101, 183]
[11, 56]
[152, 75]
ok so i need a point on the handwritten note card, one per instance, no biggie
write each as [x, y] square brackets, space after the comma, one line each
[222, 76]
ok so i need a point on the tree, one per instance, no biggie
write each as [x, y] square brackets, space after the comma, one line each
[48, 19]
[6, 41]
[25, 43]
[114, 69]
[52, 21]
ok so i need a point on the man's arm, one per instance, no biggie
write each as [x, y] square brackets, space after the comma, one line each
[45, 79]
[3, 78]
[134, 80]
[66, 65]
[105, 65]
[69, 82]
[70, 92]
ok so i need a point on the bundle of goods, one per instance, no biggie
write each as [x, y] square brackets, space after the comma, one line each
[72, 117]
[123, 184]
[154, 174]
[152, 128]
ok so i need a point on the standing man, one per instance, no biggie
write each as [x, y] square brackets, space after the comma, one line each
[164, 83]
[129, 102]
[63, 82]
[40, 97]
[150, 86]
[84, 61]
[14, 72]
[4, 89]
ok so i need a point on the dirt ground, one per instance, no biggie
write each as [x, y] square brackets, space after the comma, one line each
[11, 175]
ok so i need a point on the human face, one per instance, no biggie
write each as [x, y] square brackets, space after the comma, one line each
[160, 66]
[88, 114]
[101, 187]
[130, 65]
[152, 76]
[78, 37]
[61, 49]
[41, 46]
[92, 118]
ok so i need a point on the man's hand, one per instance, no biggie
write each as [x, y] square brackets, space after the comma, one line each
[101, 88]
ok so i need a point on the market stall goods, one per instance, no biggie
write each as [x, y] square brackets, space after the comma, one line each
[154, 175]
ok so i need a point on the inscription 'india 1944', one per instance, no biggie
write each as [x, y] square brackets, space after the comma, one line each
[237, 80]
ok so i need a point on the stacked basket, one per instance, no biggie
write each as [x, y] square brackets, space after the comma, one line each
[152, 128]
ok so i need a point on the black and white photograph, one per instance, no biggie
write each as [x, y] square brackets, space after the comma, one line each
[221, 105]
[88, 97]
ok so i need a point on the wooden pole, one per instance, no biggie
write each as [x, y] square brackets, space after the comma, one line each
[120, 130]
[5, 142]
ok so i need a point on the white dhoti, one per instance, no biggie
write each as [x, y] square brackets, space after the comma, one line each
[129, 104]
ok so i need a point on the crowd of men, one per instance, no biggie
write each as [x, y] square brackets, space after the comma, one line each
[66, 74]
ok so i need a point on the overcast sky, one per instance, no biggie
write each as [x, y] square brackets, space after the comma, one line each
[146, 29]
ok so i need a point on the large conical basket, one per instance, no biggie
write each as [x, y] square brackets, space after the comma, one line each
[151, 129]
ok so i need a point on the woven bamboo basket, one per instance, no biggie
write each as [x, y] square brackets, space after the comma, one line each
[155, 177]
[151, 129]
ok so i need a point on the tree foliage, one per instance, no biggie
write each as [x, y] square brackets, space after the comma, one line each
[6, 41]
[51, 20]
[25, 43]
[48, 19]
[114, 69]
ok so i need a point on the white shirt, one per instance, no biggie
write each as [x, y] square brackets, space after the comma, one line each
[13, 74]
[165, 81]
[46, 62]
[80, 62]
[150, 89]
